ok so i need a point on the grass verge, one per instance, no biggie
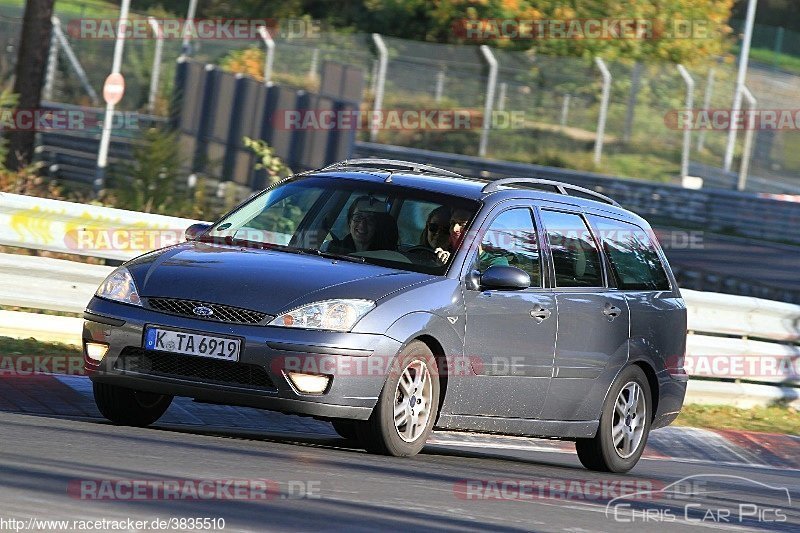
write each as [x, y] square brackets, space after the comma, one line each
[773, 419]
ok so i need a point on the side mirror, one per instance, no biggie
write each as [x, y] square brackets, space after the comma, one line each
[505, 278]
[194, 230]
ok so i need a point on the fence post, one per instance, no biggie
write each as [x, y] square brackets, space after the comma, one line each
[741, 76]
[380, 83]
[439, 86]
[52, 64]
[747, 149]
[601, 121]
[633, 96]
[491, 84]
[312, 70]
[73, 61]
[565, 109]
[701, 136]
[156, 70]
[270, 53]
[501, 97]
[778, 47]
[687, 131]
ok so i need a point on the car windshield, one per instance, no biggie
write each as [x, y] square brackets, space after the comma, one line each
[352, 220]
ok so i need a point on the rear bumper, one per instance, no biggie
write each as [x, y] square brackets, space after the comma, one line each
[672, 391]
[354, 386]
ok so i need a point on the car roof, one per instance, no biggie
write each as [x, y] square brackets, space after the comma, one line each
[484, 190]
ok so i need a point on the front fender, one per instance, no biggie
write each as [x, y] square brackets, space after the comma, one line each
[422, 323]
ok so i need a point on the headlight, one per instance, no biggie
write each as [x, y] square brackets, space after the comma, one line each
[119, 286]
[335, 315]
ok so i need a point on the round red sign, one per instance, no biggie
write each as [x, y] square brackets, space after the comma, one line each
[113, 89]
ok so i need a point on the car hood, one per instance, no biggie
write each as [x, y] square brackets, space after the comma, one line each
[269, 281]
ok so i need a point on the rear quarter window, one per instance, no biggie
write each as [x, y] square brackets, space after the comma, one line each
[634, 260]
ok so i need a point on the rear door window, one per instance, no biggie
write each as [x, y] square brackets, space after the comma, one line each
[634, 260]
[575, 255]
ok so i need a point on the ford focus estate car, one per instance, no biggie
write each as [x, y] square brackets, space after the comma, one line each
[391, 298]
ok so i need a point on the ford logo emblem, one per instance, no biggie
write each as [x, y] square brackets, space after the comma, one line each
[202, 310]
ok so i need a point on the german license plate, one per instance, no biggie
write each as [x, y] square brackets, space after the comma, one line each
[211, 346]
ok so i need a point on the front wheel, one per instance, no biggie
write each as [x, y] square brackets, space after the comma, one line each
[624, 425]
[128, 407]
[407, 407]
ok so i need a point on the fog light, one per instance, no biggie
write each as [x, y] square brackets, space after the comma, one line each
[96, 351]
[309, 383]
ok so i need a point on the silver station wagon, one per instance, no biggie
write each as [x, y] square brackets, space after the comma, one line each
[392, 298]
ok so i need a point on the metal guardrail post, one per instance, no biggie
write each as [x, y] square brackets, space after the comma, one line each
[687, 131]
[747, 150]
[52, 63]
[380, 84]
[701, 136]
[156, 70]
[601, 121]
[269, 57]
[491, 84]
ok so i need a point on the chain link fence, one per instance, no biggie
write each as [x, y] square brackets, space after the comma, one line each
[545, 110]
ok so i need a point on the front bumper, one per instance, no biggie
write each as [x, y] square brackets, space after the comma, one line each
[357, 363]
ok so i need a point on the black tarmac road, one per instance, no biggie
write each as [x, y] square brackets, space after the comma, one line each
[322, 483]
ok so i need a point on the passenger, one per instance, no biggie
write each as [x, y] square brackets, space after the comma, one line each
[458, 223]
[371, 228]
[436, 232]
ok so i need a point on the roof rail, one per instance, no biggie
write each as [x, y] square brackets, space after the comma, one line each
[560, 187]
[392, 165]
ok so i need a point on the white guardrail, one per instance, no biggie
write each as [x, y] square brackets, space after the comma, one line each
[732, 337]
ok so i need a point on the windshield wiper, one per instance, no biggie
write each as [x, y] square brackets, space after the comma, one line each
[333, 255]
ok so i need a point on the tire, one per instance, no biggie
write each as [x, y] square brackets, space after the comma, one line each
[347, 429]
[600, 453]
[380, 434]
[128, 407]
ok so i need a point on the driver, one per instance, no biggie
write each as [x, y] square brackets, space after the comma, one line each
[371, 228]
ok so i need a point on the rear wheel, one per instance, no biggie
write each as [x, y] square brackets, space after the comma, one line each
[406, 410]
[624, 425]
[128, 407]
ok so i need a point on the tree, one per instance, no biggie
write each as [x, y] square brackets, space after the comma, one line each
[31, 64]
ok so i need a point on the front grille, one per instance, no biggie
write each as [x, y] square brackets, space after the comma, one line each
[202, 369]
[222, 313]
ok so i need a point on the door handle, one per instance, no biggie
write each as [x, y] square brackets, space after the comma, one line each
[611, 311]
[540, 314]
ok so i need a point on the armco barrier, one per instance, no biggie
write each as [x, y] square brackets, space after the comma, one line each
[722, 327]
[67, 227]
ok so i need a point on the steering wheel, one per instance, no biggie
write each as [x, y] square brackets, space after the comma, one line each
[427, 253]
